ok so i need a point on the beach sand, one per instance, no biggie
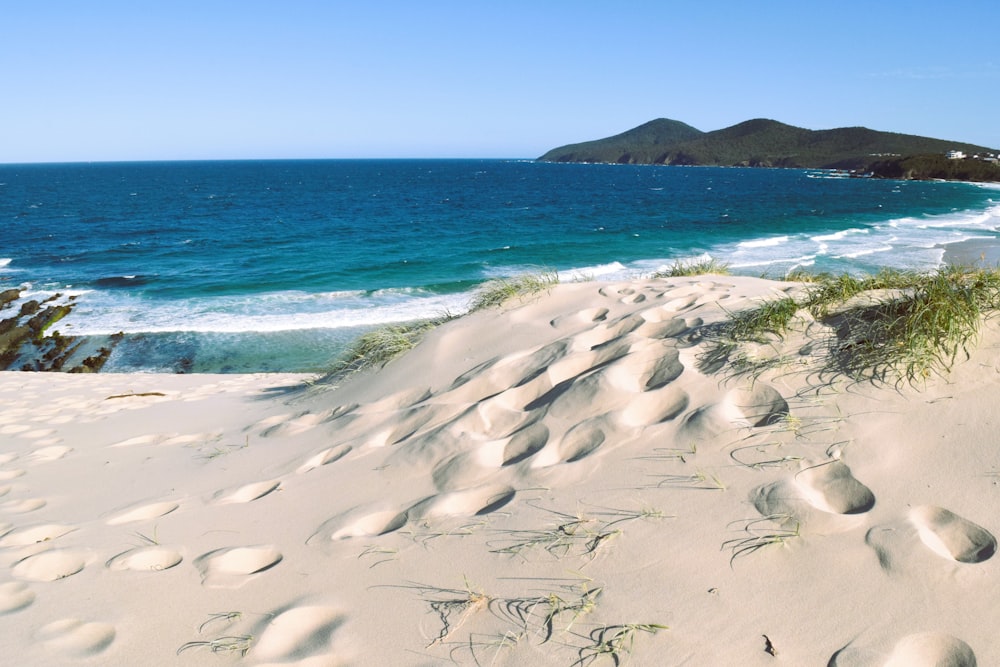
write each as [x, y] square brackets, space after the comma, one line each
[974, 252]
[556, 483]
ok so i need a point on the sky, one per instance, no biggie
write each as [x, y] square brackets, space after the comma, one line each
[138, 80]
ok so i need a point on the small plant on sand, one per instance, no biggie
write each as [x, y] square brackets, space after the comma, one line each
[573, 534]
[764, 532]
[383, 554]
[681, 269]
[223, 644]
[217, 451]
[699, 480]
[497, 292]
[229, 644]
[380, 346]
[148, 540]
[614, 642]
[536, 617]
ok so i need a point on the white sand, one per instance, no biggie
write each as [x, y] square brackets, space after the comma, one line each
[543, 486]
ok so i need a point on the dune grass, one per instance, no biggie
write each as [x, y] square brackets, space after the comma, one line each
[614, 642]
[497, 292]
[380, 346]
[910, 325]
[680, 269]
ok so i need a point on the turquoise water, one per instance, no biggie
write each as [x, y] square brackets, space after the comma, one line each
[245, 266]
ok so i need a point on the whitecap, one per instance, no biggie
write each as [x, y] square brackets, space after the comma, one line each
[763, 243]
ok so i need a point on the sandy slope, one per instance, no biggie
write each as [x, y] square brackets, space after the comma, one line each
[544, 486]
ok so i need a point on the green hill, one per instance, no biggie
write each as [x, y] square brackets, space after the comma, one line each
[935, 167]
[753, 143]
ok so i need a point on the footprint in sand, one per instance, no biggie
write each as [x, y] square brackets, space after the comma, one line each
[142, 512]
[931, 649]
[925, 649]
[525, 443]
[15, 596]
[141, 440]
[231, 567]
[586, 315]
[246, 493]
[7, 475]
[951, 536]
[364, 521]
[663, 329]
[651, 364]
[22, 506]
[655, 406]
[760, 406]
[491, 420]
[469, 502]
[46, 532]
[295, 424]
[298, 633]
[46, 454]
[633, 298]
[579, 442]
[832, 488]
[324, 457]
[50, 565]
[72, 636]
[741, 408]
[899, 545]
[145, 559]
[581, 398]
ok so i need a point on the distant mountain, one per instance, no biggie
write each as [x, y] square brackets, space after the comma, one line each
[754, 143]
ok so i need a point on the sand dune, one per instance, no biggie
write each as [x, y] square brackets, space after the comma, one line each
[558, 483]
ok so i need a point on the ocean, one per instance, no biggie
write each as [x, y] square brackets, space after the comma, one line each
[251, 266]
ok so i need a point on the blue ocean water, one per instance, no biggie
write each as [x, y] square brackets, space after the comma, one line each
[277, 265]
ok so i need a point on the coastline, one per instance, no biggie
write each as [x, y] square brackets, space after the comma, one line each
[226, 298]
[555, 482]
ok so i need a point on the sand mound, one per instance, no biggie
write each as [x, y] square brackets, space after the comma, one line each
[563, 482]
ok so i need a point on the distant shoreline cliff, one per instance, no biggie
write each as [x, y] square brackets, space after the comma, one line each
[768, 143]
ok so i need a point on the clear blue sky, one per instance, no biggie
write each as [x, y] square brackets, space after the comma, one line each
[108, 80]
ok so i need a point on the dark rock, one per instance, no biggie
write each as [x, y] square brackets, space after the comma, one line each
[29, 308]
[8, 296]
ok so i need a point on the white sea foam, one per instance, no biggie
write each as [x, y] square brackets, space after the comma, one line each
[762, 243]
[612, 271]
[839, 236]
[106, 312]
[774, 260]
[865, 252]
[909, 242]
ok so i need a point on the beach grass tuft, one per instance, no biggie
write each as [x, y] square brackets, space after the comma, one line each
[380, 346]
[497, 292]
[681, 269]
[614, 642]
[894, 327]
[535, 616]
[768, 531]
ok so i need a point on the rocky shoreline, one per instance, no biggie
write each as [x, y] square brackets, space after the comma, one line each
[28, 342]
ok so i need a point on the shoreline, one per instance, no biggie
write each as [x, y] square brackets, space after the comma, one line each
[972, 252]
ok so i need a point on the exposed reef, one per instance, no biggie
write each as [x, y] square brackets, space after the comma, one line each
[29, 343]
